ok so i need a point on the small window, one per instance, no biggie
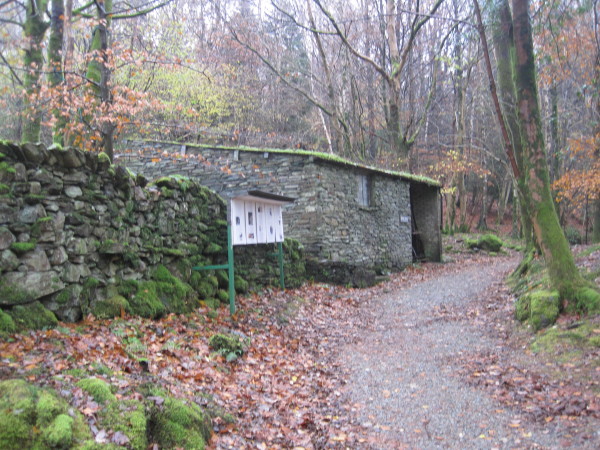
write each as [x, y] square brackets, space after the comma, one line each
[364, 190]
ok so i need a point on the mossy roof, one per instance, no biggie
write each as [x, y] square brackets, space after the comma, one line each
[327, 157]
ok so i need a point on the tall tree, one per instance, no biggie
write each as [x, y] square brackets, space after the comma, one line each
[564, 275]
[504, 50]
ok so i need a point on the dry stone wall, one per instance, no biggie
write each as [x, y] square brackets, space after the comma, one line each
[74, 230]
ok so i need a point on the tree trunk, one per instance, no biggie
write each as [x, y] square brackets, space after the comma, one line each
[33, 60]
[504, 49]
[564, 275]
[98, 72]
[56, 75]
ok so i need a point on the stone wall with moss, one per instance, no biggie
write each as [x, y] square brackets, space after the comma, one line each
[78, 235]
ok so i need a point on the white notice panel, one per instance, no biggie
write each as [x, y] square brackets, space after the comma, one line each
[238, 222]
[250, 211]
[261, 226]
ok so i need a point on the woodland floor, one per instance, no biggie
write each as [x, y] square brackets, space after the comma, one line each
[430, 359]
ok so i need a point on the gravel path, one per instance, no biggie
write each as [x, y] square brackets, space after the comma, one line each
[403, 381]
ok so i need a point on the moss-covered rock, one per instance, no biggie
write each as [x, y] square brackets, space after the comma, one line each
[179, 424]
[33, 316]
[223, 295]
[487, 242]
[241, 285]
[35, 418]
[21, 248]
[145, 302]
[111, 307]
[59, 434]
[98, 389]
[538, 308]
[7, 324]
[128, 417]
[177, 296]
[226, 344]
[125, 416]
[223, 278]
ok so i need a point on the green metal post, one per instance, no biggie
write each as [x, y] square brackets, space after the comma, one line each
[230, 270]
[280, 258]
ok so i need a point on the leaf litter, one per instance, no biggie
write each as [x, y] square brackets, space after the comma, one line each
[289, 389]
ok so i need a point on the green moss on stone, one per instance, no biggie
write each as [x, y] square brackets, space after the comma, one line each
[179, 424]
[176, 295]
[59, 434]
[6, 167]
[110, 307]
[22, 247]
[146, 303]
[223, 296]
[226, 344]
[98, 389]
[213, 248]
[32, 316]
[241, 285]
[103, 158]
[539, 308]
[206, 290]
[4, 189]
[128, 417]
[38, 419]
[223, 278]
[487, 242]
[7, 324]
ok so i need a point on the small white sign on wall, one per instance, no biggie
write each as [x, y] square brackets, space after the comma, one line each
[257, 219]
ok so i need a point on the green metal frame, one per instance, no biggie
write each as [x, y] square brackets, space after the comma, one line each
[230, 269]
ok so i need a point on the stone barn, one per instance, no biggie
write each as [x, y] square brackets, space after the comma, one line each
[349, 217]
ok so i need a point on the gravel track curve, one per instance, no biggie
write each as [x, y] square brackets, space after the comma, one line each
[403, 382]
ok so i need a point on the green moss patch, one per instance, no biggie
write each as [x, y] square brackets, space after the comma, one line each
[31, 417]
[111, 307]
[568, 340]
[98, 389]
[21, 248]
[126, 416]
[145, 302]
[176, 423]
[32, 316]
[227, 345]
[7, 324]
[487, 242]
[539, 308]
[177, 296]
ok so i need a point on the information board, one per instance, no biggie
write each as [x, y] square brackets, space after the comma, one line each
[256, 220]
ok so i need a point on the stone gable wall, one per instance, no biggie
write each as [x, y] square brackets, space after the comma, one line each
[326, 216]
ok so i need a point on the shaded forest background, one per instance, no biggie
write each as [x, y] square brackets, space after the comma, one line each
[400, 86]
